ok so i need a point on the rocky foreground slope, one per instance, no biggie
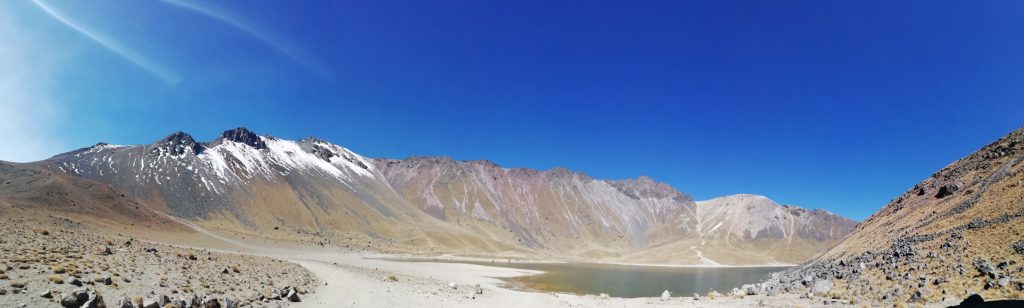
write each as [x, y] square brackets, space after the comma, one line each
[957, 233]
[53, 263]
[321, 192]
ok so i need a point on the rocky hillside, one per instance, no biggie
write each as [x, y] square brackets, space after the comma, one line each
[751, 223]
[30, 191]
[958, 232]
[555, 209]
[315, 190]
[651, 221]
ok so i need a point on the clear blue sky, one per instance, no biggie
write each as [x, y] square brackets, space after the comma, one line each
[839, 105]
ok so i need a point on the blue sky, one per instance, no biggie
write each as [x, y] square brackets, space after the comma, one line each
[824, 104]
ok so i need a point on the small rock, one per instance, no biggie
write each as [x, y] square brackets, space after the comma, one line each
[210, 302]
[1018, 247]
[478, 290]
[75, 282]
[94, 301]
[107, 280]
[125, 303]
[1003, 282]
[292, 296]
[69, 301]
[666, 295]
[604, 296]
[696, 296]
[822, 286]
[46, 294]
[917, 296]
[230, 303]
[80, 296]
[750, 289]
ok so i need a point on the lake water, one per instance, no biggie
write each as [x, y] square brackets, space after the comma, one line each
[634, 281]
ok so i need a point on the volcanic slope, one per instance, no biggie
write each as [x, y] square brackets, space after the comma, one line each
[958, 232]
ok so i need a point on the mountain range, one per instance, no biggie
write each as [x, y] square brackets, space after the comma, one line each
[317, 191]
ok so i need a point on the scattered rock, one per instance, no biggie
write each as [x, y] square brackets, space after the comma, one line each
[1018, 247]
[750, 289]
[94, 301]
[69, 301]
[917, 296]
[150, 303]
[210, 302]
[125, 303]
[291, 295]
[822, 286]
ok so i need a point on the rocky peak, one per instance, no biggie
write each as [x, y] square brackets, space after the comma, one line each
[245, 136]
[322, 151]
[646, 187]
[178, 143]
